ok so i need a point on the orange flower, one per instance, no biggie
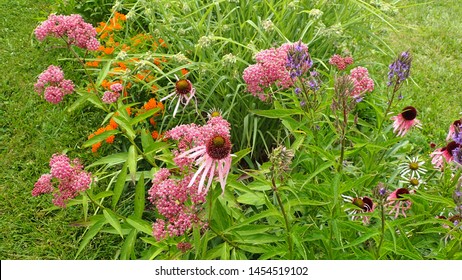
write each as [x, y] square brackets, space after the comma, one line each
[162, 43]
[184, 71]
[152, 103]
[109, 50]
[152, 122]
[95, 147]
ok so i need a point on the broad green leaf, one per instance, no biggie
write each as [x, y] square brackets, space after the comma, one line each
[100, 137]
[84, 96]
[119, 185]
[92, 231]
[277, 113]
[144, 116]
[140, 225]
[132, 159]
[139, 197]
[252, 198]
[113, 220]
[129, 245]
[146, 140]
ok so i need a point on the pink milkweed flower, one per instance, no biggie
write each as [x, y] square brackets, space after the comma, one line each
[360, 205]
[405, 121]
[184, 90]
[69, 177]
[52, 85]
[73, 29]
[340, 62]
[398, 203]
[454, 128]
[444, 154]
[362, 82]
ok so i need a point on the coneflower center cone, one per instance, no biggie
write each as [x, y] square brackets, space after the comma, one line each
[218, 147]
[401, 191]
[409, 113]
[183, 86]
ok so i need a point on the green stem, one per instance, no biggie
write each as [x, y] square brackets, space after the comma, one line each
[382, 234]
[286, 220]
[99, 205]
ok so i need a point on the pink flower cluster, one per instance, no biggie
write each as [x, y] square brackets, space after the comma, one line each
[340, 62]
[52, 85]
[270, 70]
[362, 82]
[77, 31]
[111, 96]
[69, 177]
[178, 202]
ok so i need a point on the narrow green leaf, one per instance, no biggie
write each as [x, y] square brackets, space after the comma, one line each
[103, 73]
[92, 231]
[360, 240]
[100, 137]
[128, 246]
[140, 225]
[239, 155]
[119, 185]
[132, 159]
[144, 116]
[146, 140]
[111, 160]
[277, 113]
[125, 127]
[113, 220]
[103, 195]
[139, 197]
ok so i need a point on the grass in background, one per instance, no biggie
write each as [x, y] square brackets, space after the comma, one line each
[31, 131]
[433, 34]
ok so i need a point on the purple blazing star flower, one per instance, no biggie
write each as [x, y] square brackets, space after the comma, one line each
[399, 69]
[298, 60]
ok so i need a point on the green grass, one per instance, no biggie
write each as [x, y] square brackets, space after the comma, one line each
[433, 35]
[32, 130]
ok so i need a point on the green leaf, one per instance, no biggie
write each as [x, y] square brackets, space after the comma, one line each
[139, 197]
[111, 160]
[92, 231]
[144, 116]
[140, 225]
[306, 202]
[239, 155]
[103, 195]
[125, 127]
[103, 73]
[252, 198]
[261, 238]
[128, 246]
[360, 240]
[119, 185]
[146, 140]
[277, 113]
[132, 159]
[113, 220]
[100, 137]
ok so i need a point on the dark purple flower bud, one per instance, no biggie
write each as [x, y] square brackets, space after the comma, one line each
[298, 60]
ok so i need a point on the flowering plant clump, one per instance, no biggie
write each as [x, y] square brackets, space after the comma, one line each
[65, 180]
[276, 67]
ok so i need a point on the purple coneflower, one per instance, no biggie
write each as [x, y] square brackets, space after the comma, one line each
[361, 205]
[405, 120]
[454, 129]
[399, 203]
[444, 154]
[184, 90]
